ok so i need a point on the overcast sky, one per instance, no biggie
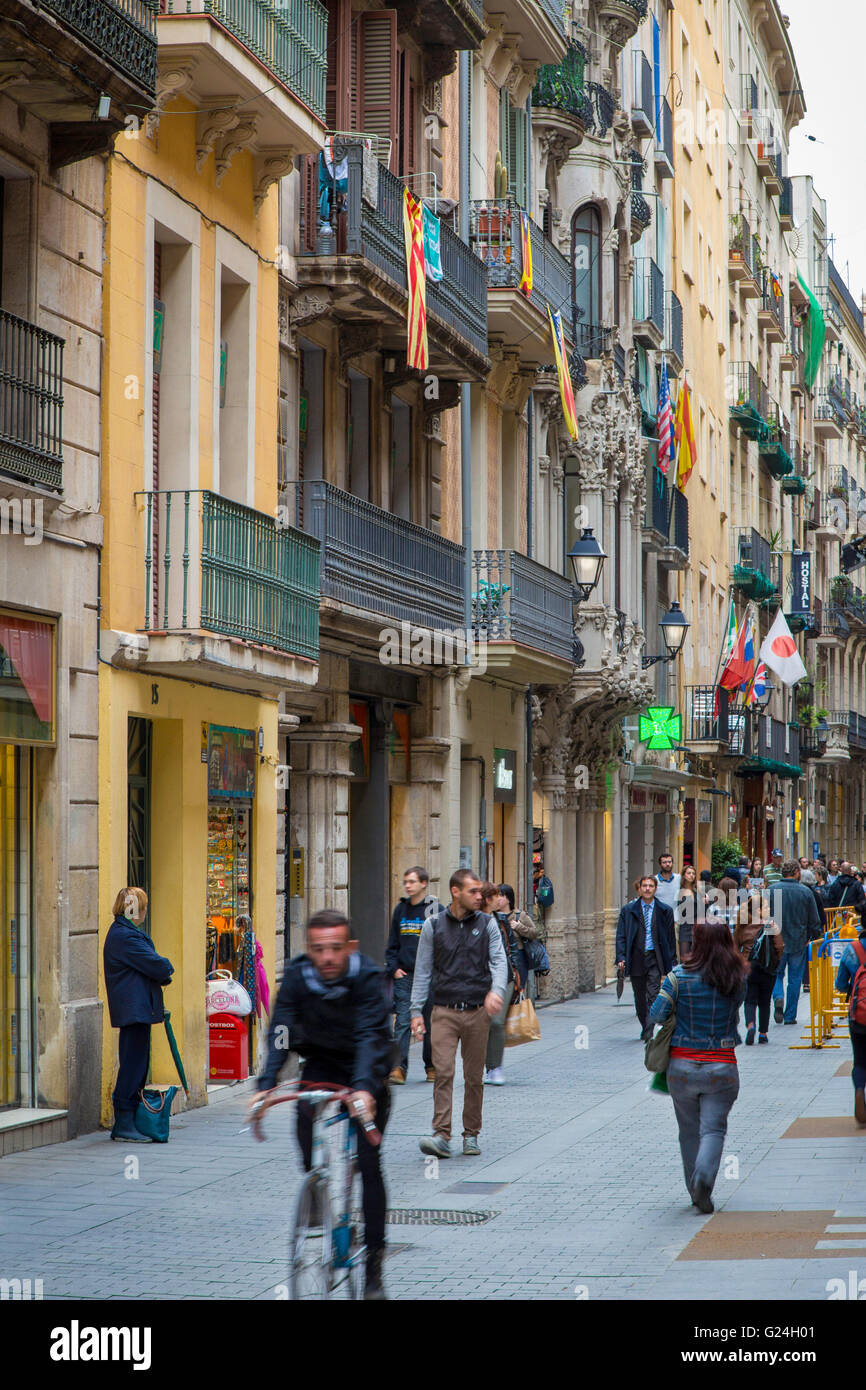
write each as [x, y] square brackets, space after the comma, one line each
[829, 42]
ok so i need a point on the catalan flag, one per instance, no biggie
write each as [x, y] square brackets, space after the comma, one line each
[416, 279]
[525, 255]
[684, 437]
[566, 394]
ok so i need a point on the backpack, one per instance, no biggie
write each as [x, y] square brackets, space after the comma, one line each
[544, 892]
[763, 953]
[857, 1001]
[536, 956]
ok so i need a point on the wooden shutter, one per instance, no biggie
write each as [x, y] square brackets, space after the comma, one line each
[512, 137]
[310, 204]
[339, 95]
[405, 162]
[157, 294]
[377, 70]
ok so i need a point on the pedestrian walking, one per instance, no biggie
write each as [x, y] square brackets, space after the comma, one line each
[524, 928]
[759, 940]
[667, 882]
[646, 947]
[135, 975]
[755, 876]
[847, 891]
[793, 906]
[410, 914]
[773, 870]
[686, 908]
[742, 871]
[495, 901]
[728, 902]
[702, 1076]
[851, 979]
[461, 962]
[832, 871]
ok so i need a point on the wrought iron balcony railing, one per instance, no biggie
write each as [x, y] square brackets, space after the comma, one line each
[649, 293]
[381, 563]
[642, 104]
[517, 600]
[123, 32]
[555, 12]
[31, 403]
[290, 39]
[704, 722]
[496, 240]
[674, 326]
[664, 153]
[375, 233]
[562, 86]
[603, 108]
[214, 565]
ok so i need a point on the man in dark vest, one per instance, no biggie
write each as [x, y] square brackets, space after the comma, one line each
[461, 962]
[645, 947]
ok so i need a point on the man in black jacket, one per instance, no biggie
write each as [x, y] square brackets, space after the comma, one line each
[646, 948]
[847, 891]
[333, 1011]
[410, 914]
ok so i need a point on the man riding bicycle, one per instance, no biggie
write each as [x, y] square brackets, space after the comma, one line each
[332, 1010]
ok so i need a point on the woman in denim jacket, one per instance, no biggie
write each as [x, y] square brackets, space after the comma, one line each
[702, 1075]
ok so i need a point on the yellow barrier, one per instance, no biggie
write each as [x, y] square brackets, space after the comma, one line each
[827, 1009]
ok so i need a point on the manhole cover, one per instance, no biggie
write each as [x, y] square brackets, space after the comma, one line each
[426, 1216]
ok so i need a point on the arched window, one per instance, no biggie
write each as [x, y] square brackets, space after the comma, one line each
[586, 264]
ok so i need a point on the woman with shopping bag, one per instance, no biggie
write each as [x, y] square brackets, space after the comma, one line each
[135, 975]
[494, 901]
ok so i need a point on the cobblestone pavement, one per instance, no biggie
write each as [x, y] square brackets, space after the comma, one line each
[584, 1173]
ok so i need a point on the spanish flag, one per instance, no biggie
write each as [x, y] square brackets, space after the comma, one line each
[525, 255]
[684, 437]
[566, 394]
[416, 280]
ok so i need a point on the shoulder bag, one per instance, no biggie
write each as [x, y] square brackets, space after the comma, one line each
[658, 1050]
[153, 1112]
[521, 1022]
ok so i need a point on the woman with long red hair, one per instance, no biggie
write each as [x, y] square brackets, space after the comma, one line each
[706, 992]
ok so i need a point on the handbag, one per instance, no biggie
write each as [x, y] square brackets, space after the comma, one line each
[521, 1023]
[536, 956]
[658, 1050]
[153, 1112]
[226, 995]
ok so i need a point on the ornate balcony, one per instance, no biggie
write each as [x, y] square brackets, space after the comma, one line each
[228, 594]
[354, 266]
[774, 446]
[749, 400]
[754, 571]
[523, 612]
[673, 333]
[31, 405]
[560, 104]
[57, 56]
[621, 19]
[664, 150]
[520, 318]
[771, 309]
[641, 215]
[441, 28]
[643, 101]
[706, 721]
[649, 303]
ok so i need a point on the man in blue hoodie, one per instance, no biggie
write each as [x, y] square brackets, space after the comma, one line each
[410, 914]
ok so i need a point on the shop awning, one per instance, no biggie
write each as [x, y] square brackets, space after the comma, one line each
[758, 766]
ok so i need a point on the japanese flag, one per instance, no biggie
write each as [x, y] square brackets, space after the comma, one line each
[779, 652]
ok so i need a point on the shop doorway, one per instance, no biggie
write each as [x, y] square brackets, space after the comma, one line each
[139, 756]
[16, 978]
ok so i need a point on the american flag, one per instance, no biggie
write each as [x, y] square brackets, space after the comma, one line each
[665, 422]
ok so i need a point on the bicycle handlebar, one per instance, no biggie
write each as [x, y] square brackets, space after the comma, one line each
[315, 1092]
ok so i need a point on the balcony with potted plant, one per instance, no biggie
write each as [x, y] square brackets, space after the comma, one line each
[774, 446]
[561, 106]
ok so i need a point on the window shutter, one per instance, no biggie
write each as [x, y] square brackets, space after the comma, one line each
[377, 66]
[513, 128]
[339, 90]
[405, 162]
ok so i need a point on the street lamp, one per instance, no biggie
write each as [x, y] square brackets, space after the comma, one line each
[587, 559]
[674, 628]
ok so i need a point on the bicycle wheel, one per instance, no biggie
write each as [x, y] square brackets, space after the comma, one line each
[349, 1277]
[310, 1253]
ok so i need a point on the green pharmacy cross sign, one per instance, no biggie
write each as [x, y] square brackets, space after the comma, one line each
[661, 728]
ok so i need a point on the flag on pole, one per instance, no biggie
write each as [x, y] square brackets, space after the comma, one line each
[432, 245]
[816, 332]
[727, 647]
[525, 255]
[738, 667]
[779, 651]
[416, 279]
[749, 661]
[756, 687]
[684, 436]
[665, 422]
[566, 394]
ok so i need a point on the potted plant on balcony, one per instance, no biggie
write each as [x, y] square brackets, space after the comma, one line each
[840, 588]
[735, 240]
[494, 216]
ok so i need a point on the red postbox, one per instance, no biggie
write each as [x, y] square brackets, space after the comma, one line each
[228, 1049]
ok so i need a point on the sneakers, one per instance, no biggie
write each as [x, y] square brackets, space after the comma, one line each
[762, 1038]
[471, 1148]
[778, 1010]
[495, 1076]
[398, 1076]
[437, 1145]
[374, 1290]
[750, 1035]
[860, 1105]
[791, 1022]
[431, 1073]
[701, 1198]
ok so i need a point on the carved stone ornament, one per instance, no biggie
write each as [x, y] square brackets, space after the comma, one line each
[237, 140]
[169, 84]
[357, 339]
[439, 61]
[270, 165]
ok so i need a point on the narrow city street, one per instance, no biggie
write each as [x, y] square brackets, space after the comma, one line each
[578, 1193]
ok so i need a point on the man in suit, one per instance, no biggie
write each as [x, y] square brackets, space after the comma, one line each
[645, 947]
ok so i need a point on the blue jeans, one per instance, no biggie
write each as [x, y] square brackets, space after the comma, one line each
[796, 964]
[403, 1022]
[702, 1093]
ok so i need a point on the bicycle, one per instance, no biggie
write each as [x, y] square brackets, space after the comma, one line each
[324, 1251]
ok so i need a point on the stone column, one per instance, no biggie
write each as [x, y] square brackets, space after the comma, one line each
[589, 885]
[561, 983]
[320, 810]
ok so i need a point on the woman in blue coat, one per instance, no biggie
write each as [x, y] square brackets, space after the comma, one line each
[134, 977]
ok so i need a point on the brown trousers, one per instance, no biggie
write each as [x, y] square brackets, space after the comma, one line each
[469, 1028]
